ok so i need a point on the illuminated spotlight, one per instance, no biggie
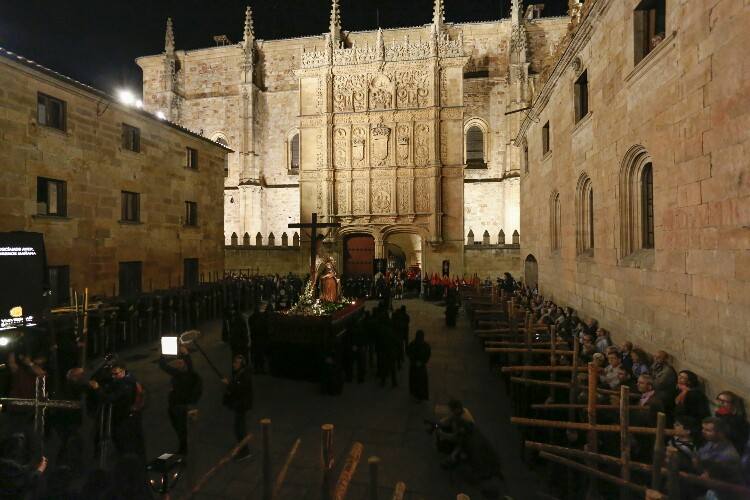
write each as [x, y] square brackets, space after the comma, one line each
[160, 115]
[139, 104]
[126, 97]
[4, 341]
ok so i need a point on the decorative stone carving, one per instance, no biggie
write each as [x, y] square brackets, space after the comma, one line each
[381, 92]
[349, 92]
[319, 198]
[412, 89]
[422, 194]
[404, 196]
[380, 139]
[381, 196]
[403, 138]
[342, 198]
[359, 196]
[340, 147]
[422, 144]
[359, 136]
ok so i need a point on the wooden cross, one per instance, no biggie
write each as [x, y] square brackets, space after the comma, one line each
[313, 226]
[40, 403]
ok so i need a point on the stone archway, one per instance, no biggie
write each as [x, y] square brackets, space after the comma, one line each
[403, 249]
[531, 271]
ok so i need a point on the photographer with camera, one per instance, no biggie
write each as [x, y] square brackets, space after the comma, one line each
[187, 388]
[239, 398]
[113, 385]
[453, 434]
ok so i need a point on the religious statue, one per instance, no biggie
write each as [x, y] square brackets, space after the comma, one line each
[329, 282]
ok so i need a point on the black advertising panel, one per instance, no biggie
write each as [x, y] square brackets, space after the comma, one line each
[22, 278]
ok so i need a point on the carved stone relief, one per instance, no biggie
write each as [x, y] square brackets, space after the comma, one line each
[403, 139]
[422, 144]
[404, 196]
[381, 92]
[422, 194]
[380, 142]
[412, 89]
[342, 197]
[349, 93]
[359, 196]
[359, 137]
[340, 147]
[381, 196]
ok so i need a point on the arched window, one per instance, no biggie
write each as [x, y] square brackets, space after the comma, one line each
[555, 216]
[636, 201]
[475, 143]
[294, 153]
[585, 215]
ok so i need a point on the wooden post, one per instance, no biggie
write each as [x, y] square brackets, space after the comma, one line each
[373, 463]
[85, 332]
[624, 436]
[553, 357]
[326, 447]
[347, 473]
[190, 459]
[265, 429]
[658, 462]
[282, 473]
[673, 478]
[591, 438]
[399, 491]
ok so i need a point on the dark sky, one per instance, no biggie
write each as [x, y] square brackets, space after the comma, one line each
[96, 41]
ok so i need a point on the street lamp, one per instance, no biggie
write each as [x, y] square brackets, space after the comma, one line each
[126, 97]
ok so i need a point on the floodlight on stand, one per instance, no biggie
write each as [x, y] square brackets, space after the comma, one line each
[169, 346]
[164, 471]
[126, 97]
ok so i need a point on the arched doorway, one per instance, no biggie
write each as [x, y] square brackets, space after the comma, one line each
[531, 271]
[359, 252]
[403, 250]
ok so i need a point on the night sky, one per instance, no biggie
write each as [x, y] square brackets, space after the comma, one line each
[97, 42]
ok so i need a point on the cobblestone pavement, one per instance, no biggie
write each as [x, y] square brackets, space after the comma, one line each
[385, 420]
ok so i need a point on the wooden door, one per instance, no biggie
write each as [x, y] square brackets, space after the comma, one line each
[359, 252]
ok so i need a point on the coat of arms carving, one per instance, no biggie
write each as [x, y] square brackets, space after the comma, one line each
[380, 137]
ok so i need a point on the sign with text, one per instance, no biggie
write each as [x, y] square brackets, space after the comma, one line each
[23, 266]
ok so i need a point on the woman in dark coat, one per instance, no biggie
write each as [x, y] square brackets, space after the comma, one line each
[418, 353]
[239, 399]
[691, 401]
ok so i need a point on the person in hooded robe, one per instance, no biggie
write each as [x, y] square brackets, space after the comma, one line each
[419, 353]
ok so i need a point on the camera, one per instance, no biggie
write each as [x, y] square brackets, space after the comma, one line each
[432, 426]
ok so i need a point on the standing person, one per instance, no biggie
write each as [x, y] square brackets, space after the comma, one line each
[419, 353]
[358, 347]
[239, 338]
[387, 347]
[186, 391]
[239, 399]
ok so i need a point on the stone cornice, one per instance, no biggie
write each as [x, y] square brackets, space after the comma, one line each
[591, 13]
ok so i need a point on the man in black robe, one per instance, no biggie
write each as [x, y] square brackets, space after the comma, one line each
[419, 352]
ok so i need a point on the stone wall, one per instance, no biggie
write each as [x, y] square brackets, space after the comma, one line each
[266, 259]
[492, 260]
[88, 156]
[685, 108]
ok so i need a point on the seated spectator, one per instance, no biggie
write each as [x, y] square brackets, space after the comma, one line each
[639, 362]
[731, 411]
[625, 349]
[665, 378]
[602, 340]
[651, 399]
[685, 442]
[690, 400]
[614, 373]
[587, 348]
[718, 458]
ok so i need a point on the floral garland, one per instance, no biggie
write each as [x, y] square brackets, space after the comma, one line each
[308, 305]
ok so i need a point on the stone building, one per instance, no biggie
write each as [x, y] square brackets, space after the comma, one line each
[401, 135]
[125, 201]
[635, 195]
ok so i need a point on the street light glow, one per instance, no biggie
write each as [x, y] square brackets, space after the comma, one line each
[4, 341]
[160, 115]
[126, 97]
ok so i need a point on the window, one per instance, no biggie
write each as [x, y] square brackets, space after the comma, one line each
[545, 139]
[50, 112]
[131, 138]
[131, 210]
[191, 158]
[582, 96]
[58, 278]
[475, 147]
[555, 214]
[647, 207]
[130, 278]
[191, 213]
[294, 153]
[636, 201]
[649, 23]
[191, 276]
[585, 215]
[51, 197]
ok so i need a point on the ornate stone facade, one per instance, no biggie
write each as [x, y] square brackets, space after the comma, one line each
[380, 117]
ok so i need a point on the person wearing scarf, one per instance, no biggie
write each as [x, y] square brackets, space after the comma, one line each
[690, 400]
[731, 411]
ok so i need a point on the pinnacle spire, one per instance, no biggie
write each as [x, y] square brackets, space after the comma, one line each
[438, 13]
[169, 37]
[516, 11]
[335, 26]
[249, 33]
